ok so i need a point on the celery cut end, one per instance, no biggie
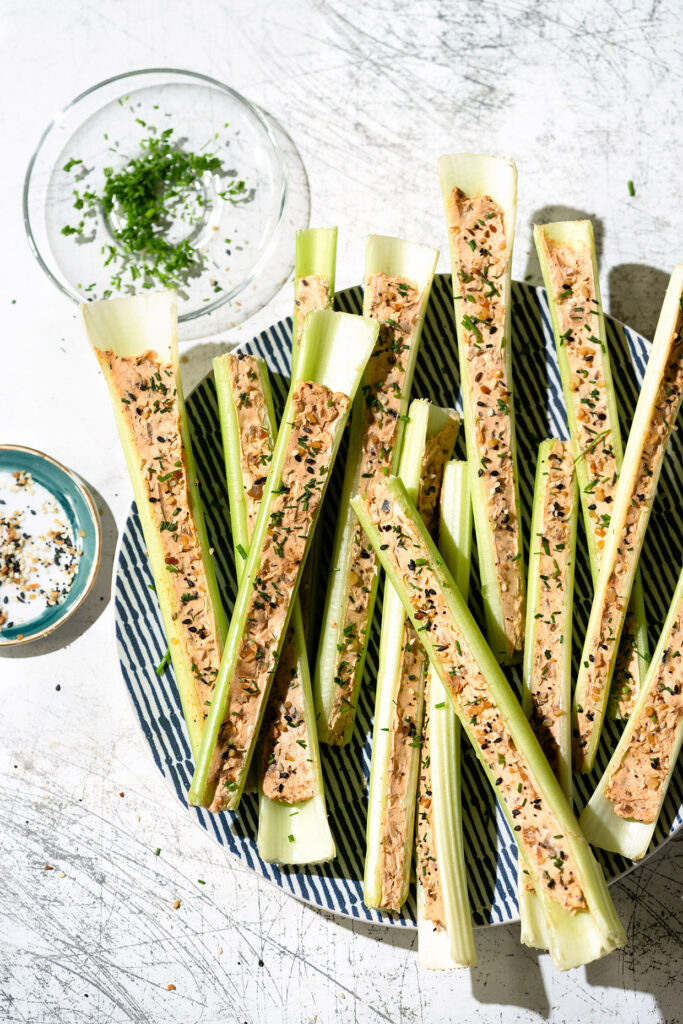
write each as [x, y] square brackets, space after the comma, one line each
[129, 328]
[294, 833]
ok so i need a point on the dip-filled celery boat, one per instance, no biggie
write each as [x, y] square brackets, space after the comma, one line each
[335, 348]
[480, 201]
[398, 281]
[625, 807]
[547, 668]
[315, 263]
[445, 939]
[566, 252]
[135, 341]
[293, 826]
[653, 421]
[581, 921]
[428, 443]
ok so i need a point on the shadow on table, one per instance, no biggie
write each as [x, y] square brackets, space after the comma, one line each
[636, 294]
[506, 973]
[95, 602]
[635, 289]
[648, 903]
[197, 358]
[557, 212]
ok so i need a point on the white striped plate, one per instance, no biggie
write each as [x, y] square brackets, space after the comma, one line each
[539, 409]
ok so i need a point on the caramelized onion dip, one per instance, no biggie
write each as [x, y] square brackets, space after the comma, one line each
[254, 430]
[554, 560]
[310, 292]
[426, 859]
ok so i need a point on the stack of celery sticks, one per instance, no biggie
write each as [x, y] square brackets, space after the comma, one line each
[262, 692]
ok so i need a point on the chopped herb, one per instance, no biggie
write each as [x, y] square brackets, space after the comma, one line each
[157, 185]
[164, 662]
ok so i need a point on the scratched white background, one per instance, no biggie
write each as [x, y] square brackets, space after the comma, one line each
[585, 96]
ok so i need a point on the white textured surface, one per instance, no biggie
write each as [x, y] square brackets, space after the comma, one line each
[584, 96]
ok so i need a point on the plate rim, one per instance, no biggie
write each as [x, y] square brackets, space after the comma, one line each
[386, 922]
[94, 568]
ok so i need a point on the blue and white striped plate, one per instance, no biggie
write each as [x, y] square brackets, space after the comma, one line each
[539, 409]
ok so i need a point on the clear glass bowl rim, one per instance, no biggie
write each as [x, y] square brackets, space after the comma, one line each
[199, 77]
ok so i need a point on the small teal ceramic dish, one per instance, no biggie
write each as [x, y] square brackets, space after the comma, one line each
[79, 510]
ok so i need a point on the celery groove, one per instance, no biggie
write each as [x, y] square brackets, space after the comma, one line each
[547, 668]
[135, 341]
[566, 251]
[480, 201]
[624, 809]
[334, 350]
[291, 831]
[398, 280]
[448, 941]
[428, 443]
[581, 922]
[653, 421]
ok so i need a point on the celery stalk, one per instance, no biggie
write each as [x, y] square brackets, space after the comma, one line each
[129, 328]
[236, 446]
[235, 454]
[481, 261]
[566, 252]
[334, 350]
[314, 276]
[653, 421]
[428, 443]
[453, 946]
[547, 672]
[581, 920]
[315, 257]
[600, 821]
[289, 833]
[374, 448]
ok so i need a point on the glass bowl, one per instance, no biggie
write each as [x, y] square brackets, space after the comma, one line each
[235, 229]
